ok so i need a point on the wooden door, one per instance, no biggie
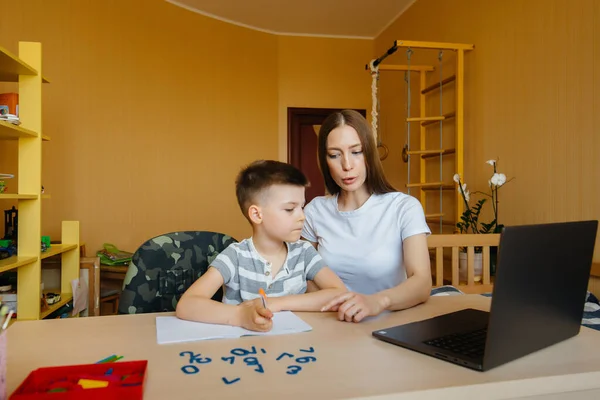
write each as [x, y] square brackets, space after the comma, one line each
[303, 128]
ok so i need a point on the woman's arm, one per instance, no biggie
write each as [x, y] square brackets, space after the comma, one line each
[417, 287]
[196, 305]
[330, 286]
[414, 290]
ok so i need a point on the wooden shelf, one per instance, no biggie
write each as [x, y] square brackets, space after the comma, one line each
[64, 299]
[417, 152]
[58, 249]
[445, 152]
[11, 67]
[425, 185]
[437, 221]
[444, 187]
[446, 116]
[14, 196]
[437, 85]
[427, 216]
[421, 119]
[10, 131]
[27, 71]
[15, 262]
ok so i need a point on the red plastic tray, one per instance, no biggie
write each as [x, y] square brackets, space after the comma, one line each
[126, 382]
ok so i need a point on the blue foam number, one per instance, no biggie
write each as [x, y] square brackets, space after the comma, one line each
[190, 369]
[285, 355]
[253, 361]
[195, 358]
[230, 359]
[304, 360]
[311, 350]
[243, 352]
[293, 369]
[229, 382]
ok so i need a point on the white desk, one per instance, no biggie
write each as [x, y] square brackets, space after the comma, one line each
[350, 362]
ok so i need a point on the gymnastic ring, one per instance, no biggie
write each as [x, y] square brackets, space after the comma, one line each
[405, 153]
[385, 149]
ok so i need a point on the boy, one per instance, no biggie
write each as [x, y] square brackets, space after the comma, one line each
[271, 197]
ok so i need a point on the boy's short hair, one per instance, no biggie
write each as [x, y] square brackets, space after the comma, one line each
[262, 174]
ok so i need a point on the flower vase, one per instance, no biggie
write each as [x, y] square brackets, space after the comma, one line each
[477, 266]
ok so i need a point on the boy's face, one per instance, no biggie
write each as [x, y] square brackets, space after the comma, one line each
[282, 212]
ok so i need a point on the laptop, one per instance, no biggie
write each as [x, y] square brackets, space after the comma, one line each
[538, 297]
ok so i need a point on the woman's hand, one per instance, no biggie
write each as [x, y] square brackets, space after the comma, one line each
[253, 316]
[354, 307]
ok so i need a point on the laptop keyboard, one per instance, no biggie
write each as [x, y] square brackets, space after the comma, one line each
[470, 344]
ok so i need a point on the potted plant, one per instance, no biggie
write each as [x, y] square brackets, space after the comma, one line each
[469, 220]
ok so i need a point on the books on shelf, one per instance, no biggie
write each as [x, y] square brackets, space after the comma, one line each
[13, 119]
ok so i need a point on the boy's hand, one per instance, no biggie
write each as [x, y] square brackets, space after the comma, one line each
[253, 316]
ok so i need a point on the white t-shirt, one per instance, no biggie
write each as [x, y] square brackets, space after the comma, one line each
[364, 246]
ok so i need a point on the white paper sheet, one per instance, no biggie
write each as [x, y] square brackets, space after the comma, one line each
[175, 330]
[3, 365]
[80, 295]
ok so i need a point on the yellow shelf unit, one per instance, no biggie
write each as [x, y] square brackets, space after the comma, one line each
[11, 67]
[15, 262]
[58, 249]
[64, 299]
[10, 131]
[14, 196]
[26, 69]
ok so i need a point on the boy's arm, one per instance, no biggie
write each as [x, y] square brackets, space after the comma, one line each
[331, 286]
[311, 286]
[196, 305]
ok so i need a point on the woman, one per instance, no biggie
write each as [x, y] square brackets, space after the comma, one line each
[371, 235]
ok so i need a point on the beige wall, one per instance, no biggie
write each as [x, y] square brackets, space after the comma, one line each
[531, 99]
[321, 73]
[153, 109]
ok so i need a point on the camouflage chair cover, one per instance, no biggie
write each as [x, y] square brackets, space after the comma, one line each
[163, 268]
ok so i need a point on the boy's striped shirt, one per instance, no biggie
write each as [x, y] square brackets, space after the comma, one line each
[244, 271]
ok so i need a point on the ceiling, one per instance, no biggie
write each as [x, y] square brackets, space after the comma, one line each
[323, 18]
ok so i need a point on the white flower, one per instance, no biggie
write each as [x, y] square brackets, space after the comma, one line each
[462, 189]
[489, 183]
[491, 162]
[456, 178]
[498, 179]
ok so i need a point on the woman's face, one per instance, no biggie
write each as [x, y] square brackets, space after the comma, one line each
[345, 158]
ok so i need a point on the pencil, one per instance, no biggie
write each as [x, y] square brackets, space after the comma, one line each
[8, 317]
[263, 297]
[107, 359]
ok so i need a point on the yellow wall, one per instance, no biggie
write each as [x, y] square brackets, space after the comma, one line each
[153, 109]
[321, 73]
[531, 99]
